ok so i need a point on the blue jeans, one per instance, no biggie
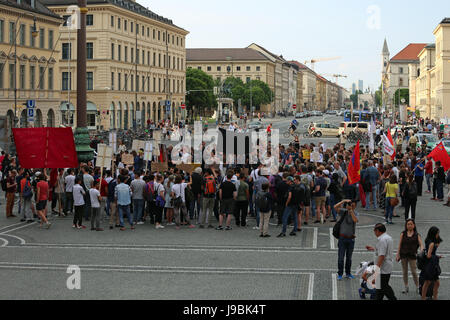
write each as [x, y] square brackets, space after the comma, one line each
[138, 209]
[374, 197]
[197, 200]
[108, 207]
[122, 210]
[429, 177]
[290, 210]
[345, 250]
[440, 189]
[389, 210]
[256, 208]
[333, 203]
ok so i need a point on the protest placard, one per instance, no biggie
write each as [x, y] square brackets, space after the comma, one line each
[189, 168]
[159, 166]
[315, 157]
[104, 156]
[138, 145]
[306, 154]
[127, 159]
[113, 141]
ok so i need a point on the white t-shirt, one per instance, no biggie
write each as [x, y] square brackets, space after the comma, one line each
[70, 181]
[108, 179]
[158, 187]
[94, 194]
[178, 189]
[78, 193]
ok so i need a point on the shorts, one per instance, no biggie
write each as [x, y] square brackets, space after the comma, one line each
[320, 201]
[226, 206]
[307, 201]
[41, 205]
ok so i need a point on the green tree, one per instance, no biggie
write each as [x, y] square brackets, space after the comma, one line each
[378, 97]
[354, 98]
[201, 100]
[401, 94]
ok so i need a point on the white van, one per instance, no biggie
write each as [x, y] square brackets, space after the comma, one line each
[347, 127]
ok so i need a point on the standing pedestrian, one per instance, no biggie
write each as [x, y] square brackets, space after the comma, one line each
[69, 181]
[440, 181]
[159, 201]
[265, 203]
[391, 191]
[227, 196]
[241, 206]
[96, 199]
[123, 201]
[292, 205]
[60, 191]
[410, 195]
[347, 235]
[429, 174]
[410, 241]
[384, 254]
[209, 197]
[78, 202]
[11, 187]
[27, 195]
[179, 202]
[42, 198]
[137, 187]
[419, 172]
[432, 270]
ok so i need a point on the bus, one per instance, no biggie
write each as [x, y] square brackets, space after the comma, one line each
[361, 116]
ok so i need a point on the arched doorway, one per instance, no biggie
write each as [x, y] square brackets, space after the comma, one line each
[91, 113]
[23, 120]
[138, 115]
[50, 118]
[112, 116]
[38, 119]
[10, 121]
[125, 116]
[119, 116]
[149, 114]
[159, 112]
[154, 112]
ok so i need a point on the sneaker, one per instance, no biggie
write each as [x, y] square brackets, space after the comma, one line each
[292, 234]
[122, 229]
[219, 228]
[48, 225]
[281, 235]
[267, 236]
[305, 223]
[159, 226]
[406, 290]
[133, 228]
[339, 277]
[228, 228]
[74, 226]
[92, 229]
[317, 221]
[140, 223]
[23, 220]
[261, 235]
[193, 227]
[350, 276]
[117, 225]
[111, 227]
[256, 228]
[99, 229]
[362, 295]
[83, 227]
[171, 224]
[30, 221]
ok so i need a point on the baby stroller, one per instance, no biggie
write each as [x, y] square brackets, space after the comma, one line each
[365, 271]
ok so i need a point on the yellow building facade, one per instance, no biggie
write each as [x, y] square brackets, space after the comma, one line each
[321, 93]
[136, 61]
[29, 64]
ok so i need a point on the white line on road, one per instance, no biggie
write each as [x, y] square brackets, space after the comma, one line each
[334, 286]
[332, 240]
[25, 226]
[316, 230]
[12, 225]
[5, 242]
[311, 287]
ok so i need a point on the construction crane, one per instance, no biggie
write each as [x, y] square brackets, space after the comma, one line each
[335, 76]
[312, 62]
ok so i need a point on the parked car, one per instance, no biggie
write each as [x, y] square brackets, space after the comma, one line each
[347, 127]
[299, 115]
[331, 112]
[325, 129]
[255, 125]
[432, 145]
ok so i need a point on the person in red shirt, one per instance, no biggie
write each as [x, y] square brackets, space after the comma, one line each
[429, 174]
[269, 129]
[103, 194]
[42, 196]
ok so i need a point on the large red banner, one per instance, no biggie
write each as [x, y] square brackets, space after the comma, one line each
[45, 148]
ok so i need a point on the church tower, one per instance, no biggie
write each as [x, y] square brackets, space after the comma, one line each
[385, 58]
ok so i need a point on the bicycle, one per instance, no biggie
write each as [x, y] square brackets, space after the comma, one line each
[289, 134]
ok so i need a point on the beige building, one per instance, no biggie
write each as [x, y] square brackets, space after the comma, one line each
[308, 85]
[29, 63]
[321, 92]
[136, 62]
[242, 63]
[431, 83]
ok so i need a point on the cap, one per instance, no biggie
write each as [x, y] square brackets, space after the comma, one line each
[326, 172]
[290, 179]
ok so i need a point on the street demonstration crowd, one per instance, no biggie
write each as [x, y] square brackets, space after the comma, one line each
[302, 192]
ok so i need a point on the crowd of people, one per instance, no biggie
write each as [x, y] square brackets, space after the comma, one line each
[302, 192]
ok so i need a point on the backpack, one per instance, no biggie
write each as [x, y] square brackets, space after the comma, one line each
[262, 201]
[447, 180]
[149, 192]
[304, 180]
[160, 202]
[3, 183]
[210, 186]
[188, 195]
[27, 193]
[337, 226]
[413, 191]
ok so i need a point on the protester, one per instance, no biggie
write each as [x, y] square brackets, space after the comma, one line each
[432, 270]
[96, 199]
[227, 196]
[42, 196]
[265, 203]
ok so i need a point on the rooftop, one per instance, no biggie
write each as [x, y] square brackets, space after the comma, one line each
[409, 53]
[218, 54]
[26, 5]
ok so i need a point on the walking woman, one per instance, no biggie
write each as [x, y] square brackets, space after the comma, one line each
[169, 206]
[432, 270]
[410, 195]
[391, 190]
[410, 241]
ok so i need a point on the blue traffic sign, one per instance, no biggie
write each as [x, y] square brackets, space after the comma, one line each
[168, 103]
[31, 104]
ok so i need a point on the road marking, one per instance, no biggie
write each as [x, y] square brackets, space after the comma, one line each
[316, 230]
[334, 286]
[332, 240]
[5, 242]
[311, 287]
[25, 226]
[13, 225]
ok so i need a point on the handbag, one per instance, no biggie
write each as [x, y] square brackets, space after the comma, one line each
[394, 202]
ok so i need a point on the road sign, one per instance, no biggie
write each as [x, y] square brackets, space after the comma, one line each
[31, 103]
[168, 108]
[294, 106]
[167, 103]
[183, 106]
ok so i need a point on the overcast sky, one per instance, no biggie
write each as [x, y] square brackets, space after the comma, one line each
[302, 30]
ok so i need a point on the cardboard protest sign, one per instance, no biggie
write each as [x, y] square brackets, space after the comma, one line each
[104, 156]
[138, 145]
[306, 154]
[113, 141]
[148, 151]
[159, 166]
[315, 157]
[189, 168]
[127, 159]
[157, 135]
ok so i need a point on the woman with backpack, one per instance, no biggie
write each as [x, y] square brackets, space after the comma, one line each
[26, 194]
[179, 201]
[410, 241]
[168, 184]
[431, 271]
[410, 196]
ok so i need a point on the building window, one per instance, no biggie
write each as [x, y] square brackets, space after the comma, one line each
[154, 59]
[400, 70]
[31, 37]
[131, 27]
[91, 119]
[258, 68]
[137, 54]
[199, 68]
[142, 33]
[125, 25]
[32, 77]
[143, 84]
[50, 78]
[125, 85]
[159, 35]
[89, 20]
[248, 69]
[12, 32]
[50, 39]
[154, 84]
[89, 50]
[148, 32]
[112, 80]
[66, 81]
[22, 34]
[401, 82]
[118, 24]
[112, 21]
[238, 68]
[11, 76]
[159, 60]
[66, 52]
[2, 31]
[248, 79]
[126, 54]
[119, 52]
[41, 38]
[219, 68]
[154, 34]
[148, 84]
[208, 68]
[137, 28]
[89, 81]
[112, 51]
[148, 58]
[119, 81]
[22, 76]
[41, 78]
[132, 55]
[2, 66]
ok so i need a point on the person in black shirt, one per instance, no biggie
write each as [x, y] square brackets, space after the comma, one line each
[292, 204]
[227, 195]
[282, 191]
[197, 183]
[440, 181]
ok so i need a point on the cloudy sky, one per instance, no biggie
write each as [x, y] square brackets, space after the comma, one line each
[351, 29]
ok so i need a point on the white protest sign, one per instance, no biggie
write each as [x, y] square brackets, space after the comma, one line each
[138, 145]
[315, 157]
[148, 151]
[104, 156]
[113, 141]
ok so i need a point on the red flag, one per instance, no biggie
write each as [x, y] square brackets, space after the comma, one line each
[362, 196]
[440, 154]
[389, 136]
[354, 167]
[45, 148]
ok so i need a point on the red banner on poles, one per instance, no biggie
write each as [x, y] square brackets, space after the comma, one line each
[45, 148]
